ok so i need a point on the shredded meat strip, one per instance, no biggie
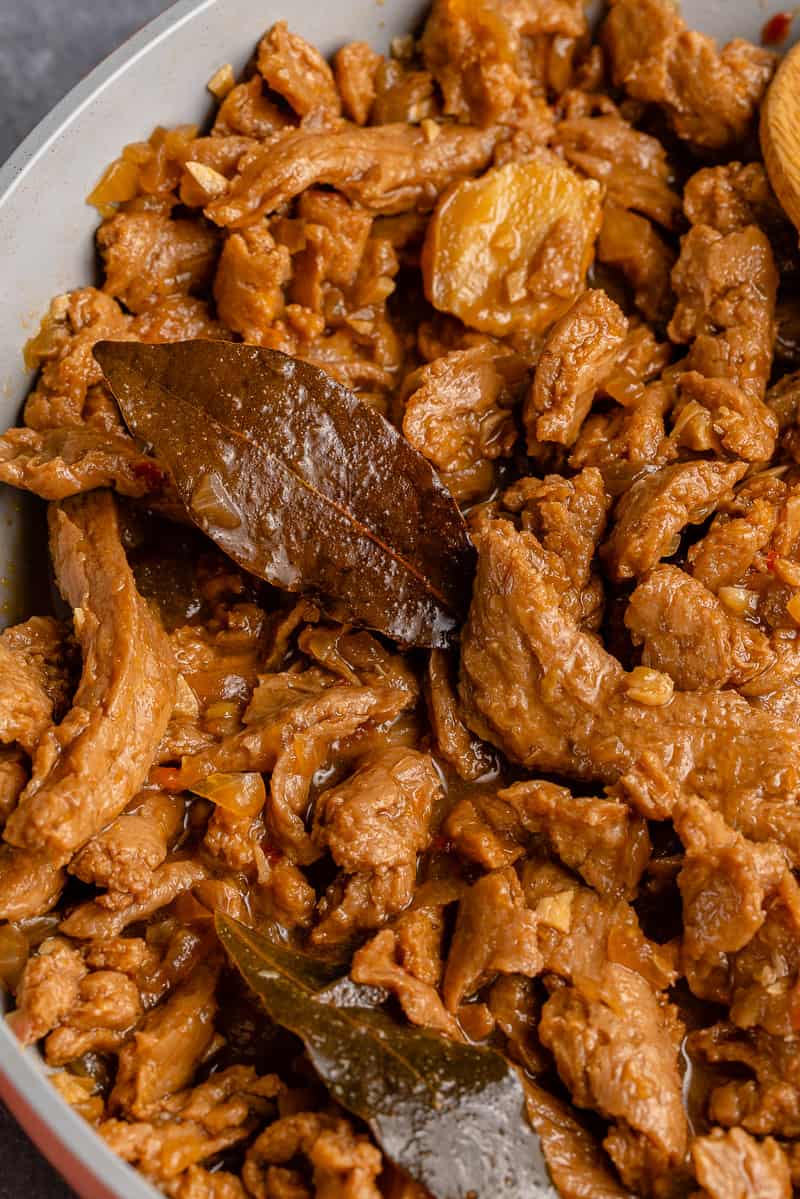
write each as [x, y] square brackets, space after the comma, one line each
[90, 766]
[578, 355]
[710, 97]
[616, 1048]
[389, 168]
[652, 514]
[734, 1165]
[31, 882]
[58, 463]
[163, 1055]
[26, 702]
[579, 720]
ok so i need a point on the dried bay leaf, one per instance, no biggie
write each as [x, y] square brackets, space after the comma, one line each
[299, 482]
[451, 1115]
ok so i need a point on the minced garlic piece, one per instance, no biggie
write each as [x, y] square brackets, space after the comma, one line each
[556, 910]
[222, 81]
[738, 600]
[650, 687]
[211, 181]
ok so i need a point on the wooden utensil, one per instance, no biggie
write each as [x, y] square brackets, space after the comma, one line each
[780, 134]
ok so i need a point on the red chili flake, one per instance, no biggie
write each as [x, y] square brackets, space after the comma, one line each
[772, 558]
[777, 28]
[272, 854]
[441, 844]
[152, 473]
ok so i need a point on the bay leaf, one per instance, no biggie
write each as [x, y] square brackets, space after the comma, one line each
[450, 1115]
[299, 482]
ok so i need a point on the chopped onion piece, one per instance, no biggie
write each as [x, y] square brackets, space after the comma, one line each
[243, 794]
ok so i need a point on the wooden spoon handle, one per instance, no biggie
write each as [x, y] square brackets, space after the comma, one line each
[780, 134]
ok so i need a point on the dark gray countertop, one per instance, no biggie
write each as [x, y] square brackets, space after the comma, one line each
[46, 46]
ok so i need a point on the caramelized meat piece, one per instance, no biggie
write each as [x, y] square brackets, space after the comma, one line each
[284, 892]
[376, 964]
[766, 1101]
[490, 58]
[44, 645]
[291, 733]
[354, 68]
[616, 1048]
[732, 197]
[248, 112]
[166, 1049]
[601, 839]
[419, 943]
[107, 1009]
[248, 286]
[402, 94]
[632, 165]
[554, 700]
[494, 934]
[94, 919]
[485, 829]
[124, 855]
[343, 1163]
[49, 989]
[687, 632]
[728, 550]
[199, 1183]
[359, 658]
[220, 663]
[389, 168]
[766, 971]
[30, 882]
[725, 883]
[733, 1165]
[358, 902]
[179, 318]
[63, 351]
[14, 774]
[297, 72]
[566, 516]
[577, 357]
[749, 556]
[380, 816]
[307, 751]
[459, 409]
[515, 1008]
[210, 163]
[233, 838]
[736, 423]
[148, 257]
[454, 741]
[710, 96]
[194, 1126]
[632, 436]
[651, 516]
[577, 1164]
[725, 286]
[90, 767]
[336, 236]
[579, 931]
[58, 463]
[26, 708]
[629, 243]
